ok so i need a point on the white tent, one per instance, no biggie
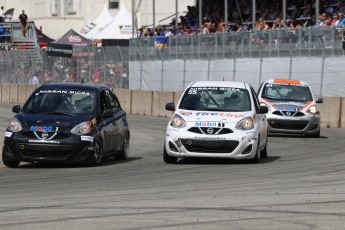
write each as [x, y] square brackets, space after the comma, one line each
[119, 28]
[104, 19]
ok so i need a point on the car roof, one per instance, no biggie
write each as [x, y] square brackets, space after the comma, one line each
[286, 81]
[232, 84]
[77, 86]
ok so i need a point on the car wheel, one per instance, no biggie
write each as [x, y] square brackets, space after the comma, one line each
[168, 159]
[97, 154]
[9, 163]
[124, 151]
[256, 158]
[263, 153]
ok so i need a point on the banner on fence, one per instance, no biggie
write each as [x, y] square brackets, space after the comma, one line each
[59, 50]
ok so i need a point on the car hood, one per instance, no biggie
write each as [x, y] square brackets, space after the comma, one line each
[50, 122]
[288, 105]
[208, 116]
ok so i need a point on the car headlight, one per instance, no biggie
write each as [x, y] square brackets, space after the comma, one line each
[82, 128]
[178, 122]
[15, 125]
[245, 124]
[312, 109]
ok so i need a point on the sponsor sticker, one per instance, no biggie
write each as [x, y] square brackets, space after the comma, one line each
[44, 141]
[208, 124]
[209, 138]
[87, 138]
[184, 113]
[8, 134]
[94, 121]
[41, 128]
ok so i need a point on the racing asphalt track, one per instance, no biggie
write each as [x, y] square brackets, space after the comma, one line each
[301, 185]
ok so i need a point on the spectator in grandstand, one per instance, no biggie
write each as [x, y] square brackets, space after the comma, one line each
[278, 24]
[341, 21]
[148, 32]
[329, 9]
[334, 19]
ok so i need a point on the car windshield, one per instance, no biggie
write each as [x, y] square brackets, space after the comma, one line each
[64, 102]
[287, 92]
[216, 99]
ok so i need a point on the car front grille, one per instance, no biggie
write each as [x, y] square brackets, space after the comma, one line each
[288, 113]
[31, 135]
[45, 151]
[292, 125]
[206, 146]
[211, 131]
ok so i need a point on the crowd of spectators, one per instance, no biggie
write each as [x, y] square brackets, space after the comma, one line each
[300, 13]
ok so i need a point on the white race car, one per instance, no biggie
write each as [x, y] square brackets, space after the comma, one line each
[219, 119]
[292, 107]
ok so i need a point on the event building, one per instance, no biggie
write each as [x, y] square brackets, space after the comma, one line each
[58, 16]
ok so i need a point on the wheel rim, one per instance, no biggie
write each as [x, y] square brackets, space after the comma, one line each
[97, 153]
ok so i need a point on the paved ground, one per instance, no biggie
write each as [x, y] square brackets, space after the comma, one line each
[300, 186]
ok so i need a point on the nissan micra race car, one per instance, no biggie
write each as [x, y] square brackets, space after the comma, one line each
[219, 119]
[292, 107]
[67, 123]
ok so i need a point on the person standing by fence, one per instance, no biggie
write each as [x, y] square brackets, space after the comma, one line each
[24, 22]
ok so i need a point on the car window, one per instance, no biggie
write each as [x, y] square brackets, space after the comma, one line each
[69, 101]
[287, 92]
[113, 102]
[103, 104]
[216, 99]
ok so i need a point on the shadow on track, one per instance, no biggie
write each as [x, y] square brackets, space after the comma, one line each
[104, 163]
[218, 161]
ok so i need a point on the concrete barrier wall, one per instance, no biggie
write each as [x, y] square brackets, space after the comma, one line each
[152, 103]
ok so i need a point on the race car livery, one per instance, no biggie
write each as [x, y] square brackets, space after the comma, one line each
[219, 119]
[292, 107]
[67, 122]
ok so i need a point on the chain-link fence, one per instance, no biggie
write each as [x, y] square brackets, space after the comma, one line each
[100, 65]
[309, 41]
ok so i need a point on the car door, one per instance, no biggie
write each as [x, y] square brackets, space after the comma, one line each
[118, 122]
[260, 119]
[106, 123]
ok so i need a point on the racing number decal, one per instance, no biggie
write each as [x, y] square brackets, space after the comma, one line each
[192, 91]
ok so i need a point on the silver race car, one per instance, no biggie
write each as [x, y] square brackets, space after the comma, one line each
[292, 107]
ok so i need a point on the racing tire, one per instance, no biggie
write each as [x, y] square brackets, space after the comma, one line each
[168, 159]
[263, 153]
[97, 154]
[124, 151]
[7, 162]
[256, 158]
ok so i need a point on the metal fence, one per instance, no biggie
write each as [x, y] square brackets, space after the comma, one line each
[309, 41]
[100, 65]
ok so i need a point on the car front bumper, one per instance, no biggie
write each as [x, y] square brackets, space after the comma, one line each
[239, 145]
[293, 125]
[73, 148]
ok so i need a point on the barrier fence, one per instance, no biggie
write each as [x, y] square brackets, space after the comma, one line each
[305, 41]
[99, 65]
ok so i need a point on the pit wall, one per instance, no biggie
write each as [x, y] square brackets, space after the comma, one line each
[152, 103]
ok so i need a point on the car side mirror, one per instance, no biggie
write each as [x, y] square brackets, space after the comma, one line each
[108, 113]
[263, 110]
[16, 109]
[170, 106]
[319, 100]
